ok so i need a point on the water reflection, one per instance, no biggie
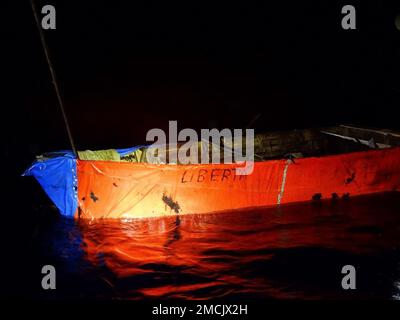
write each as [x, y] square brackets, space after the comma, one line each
[288, 252]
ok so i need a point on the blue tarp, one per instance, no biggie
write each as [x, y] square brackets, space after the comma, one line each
[58, 178]
[126, 151]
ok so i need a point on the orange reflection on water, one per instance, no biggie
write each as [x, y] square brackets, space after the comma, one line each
[209, 256]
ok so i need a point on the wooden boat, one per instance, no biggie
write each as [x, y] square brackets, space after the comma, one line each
[297, 166]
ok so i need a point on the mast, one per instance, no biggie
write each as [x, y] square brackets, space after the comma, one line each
[54, 78]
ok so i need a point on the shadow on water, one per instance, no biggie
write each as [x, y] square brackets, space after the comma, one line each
[290, 252]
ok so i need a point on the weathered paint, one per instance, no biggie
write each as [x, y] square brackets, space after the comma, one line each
[139, 190]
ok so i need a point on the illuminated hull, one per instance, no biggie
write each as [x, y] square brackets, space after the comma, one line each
[108, 189]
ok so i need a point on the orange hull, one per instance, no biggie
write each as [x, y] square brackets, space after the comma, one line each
[138, 190]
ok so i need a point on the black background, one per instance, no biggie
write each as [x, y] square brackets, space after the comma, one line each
[127, 67]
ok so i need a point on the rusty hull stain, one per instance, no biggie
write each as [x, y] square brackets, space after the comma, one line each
[93, 196]
[174, 205]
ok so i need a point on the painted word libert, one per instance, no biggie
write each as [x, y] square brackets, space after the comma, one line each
[213, 175]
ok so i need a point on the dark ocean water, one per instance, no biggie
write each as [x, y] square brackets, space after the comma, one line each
[292, 252]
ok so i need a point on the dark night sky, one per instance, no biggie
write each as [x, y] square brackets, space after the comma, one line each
[124, 69]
